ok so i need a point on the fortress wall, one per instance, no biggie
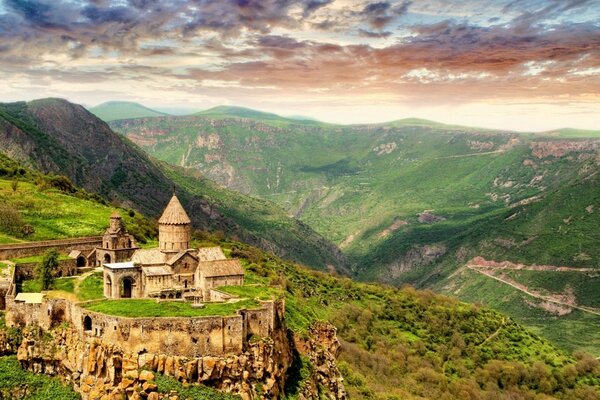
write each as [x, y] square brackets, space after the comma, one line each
[16, 250]
[262, 322]
[189, 337]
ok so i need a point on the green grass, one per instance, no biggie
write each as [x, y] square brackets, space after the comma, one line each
[257, 292]
[145, 308]
[16, 383]
[66, 284]
[53, 214]
[91, 287]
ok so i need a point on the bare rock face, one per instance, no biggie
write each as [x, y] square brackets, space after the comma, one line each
[99, 370]
[322, 348]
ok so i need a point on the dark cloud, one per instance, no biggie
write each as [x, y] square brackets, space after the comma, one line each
[379, 14]
[44, 24]
[313, 5]
[371, 34]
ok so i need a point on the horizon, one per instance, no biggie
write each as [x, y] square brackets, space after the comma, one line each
[295, 116]
[524, 66]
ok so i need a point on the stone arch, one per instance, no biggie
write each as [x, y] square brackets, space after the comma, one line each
[106, 258]
[81, 262]
[127, 284]
[87, 323]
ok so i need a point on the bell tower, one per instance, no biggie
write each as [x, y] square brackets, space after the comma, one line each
[174, 228]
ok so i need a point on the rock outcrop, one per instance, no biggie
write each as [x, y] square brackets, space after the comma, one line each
[321, 348]
[99, 370]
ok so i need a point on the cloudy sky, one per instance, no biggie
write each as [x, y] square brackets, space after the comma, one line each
[520, 64]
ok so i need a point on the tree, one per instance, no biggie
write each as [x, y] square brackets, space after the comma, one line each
[10, 220]
[46, 269]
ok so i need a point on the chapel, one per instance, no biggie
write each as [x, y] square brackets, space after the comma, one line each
[172, 270]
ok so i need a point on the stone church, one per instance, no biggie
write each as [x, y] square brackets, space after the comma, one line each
[173, 270]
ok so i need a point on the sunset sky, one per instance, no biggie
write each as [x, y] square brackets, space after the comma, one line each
[522, 64]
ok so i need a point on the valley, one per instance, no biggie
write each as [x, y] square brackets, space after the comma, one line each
[411, 201]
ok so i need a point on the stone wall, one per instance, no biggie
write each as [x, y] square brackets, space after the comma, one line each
[216, 281]
[17, 250]
[218, 335]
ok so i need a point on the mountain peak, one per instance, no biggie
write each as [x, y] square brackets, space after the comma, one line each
[236, 111]
[114, 110]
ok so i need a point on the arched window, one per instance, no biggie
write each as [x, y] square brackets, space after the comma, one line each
[87, 323]
[106, 258]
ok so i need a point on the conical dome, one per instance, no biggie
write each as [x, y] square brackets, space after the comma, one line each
[174, 214]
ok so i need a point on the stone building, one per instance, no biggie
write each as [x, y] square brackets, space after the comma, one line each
[117, 244]
[173, 270]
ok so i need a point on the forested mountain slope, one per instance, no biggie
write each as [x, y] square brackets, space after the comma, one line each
[53, 135]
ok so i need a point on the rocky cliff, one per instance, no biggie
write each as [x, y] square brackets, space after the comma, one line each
[99, 370]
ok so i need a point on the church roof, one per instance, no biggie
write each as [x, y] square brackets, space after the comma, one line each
[230, 267]
[182, 253]
[149, 257]
[30, 298]
[210, 254]
[174, 213]
[120, 265]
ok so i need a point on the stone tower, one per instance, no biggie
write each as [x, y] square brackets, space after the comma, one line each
[117, 244]
[174, 228]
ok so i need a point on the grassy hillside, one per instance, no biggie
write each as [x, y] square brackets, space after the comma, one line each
[114, 110]
[574, 133]
[59, 137]
[411, 201]
[16, 383]
[54, 208]
[409, 344]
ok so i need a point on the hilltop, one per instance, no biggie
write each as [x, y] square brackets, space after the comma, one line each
[114, 110]
[59, 137]
[413, 201]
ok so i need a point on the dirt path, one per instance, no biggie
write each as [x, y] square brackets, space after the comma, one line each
[493, 335]
[481, 262]
[61, 294]
[472, 154]
[538, 296]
